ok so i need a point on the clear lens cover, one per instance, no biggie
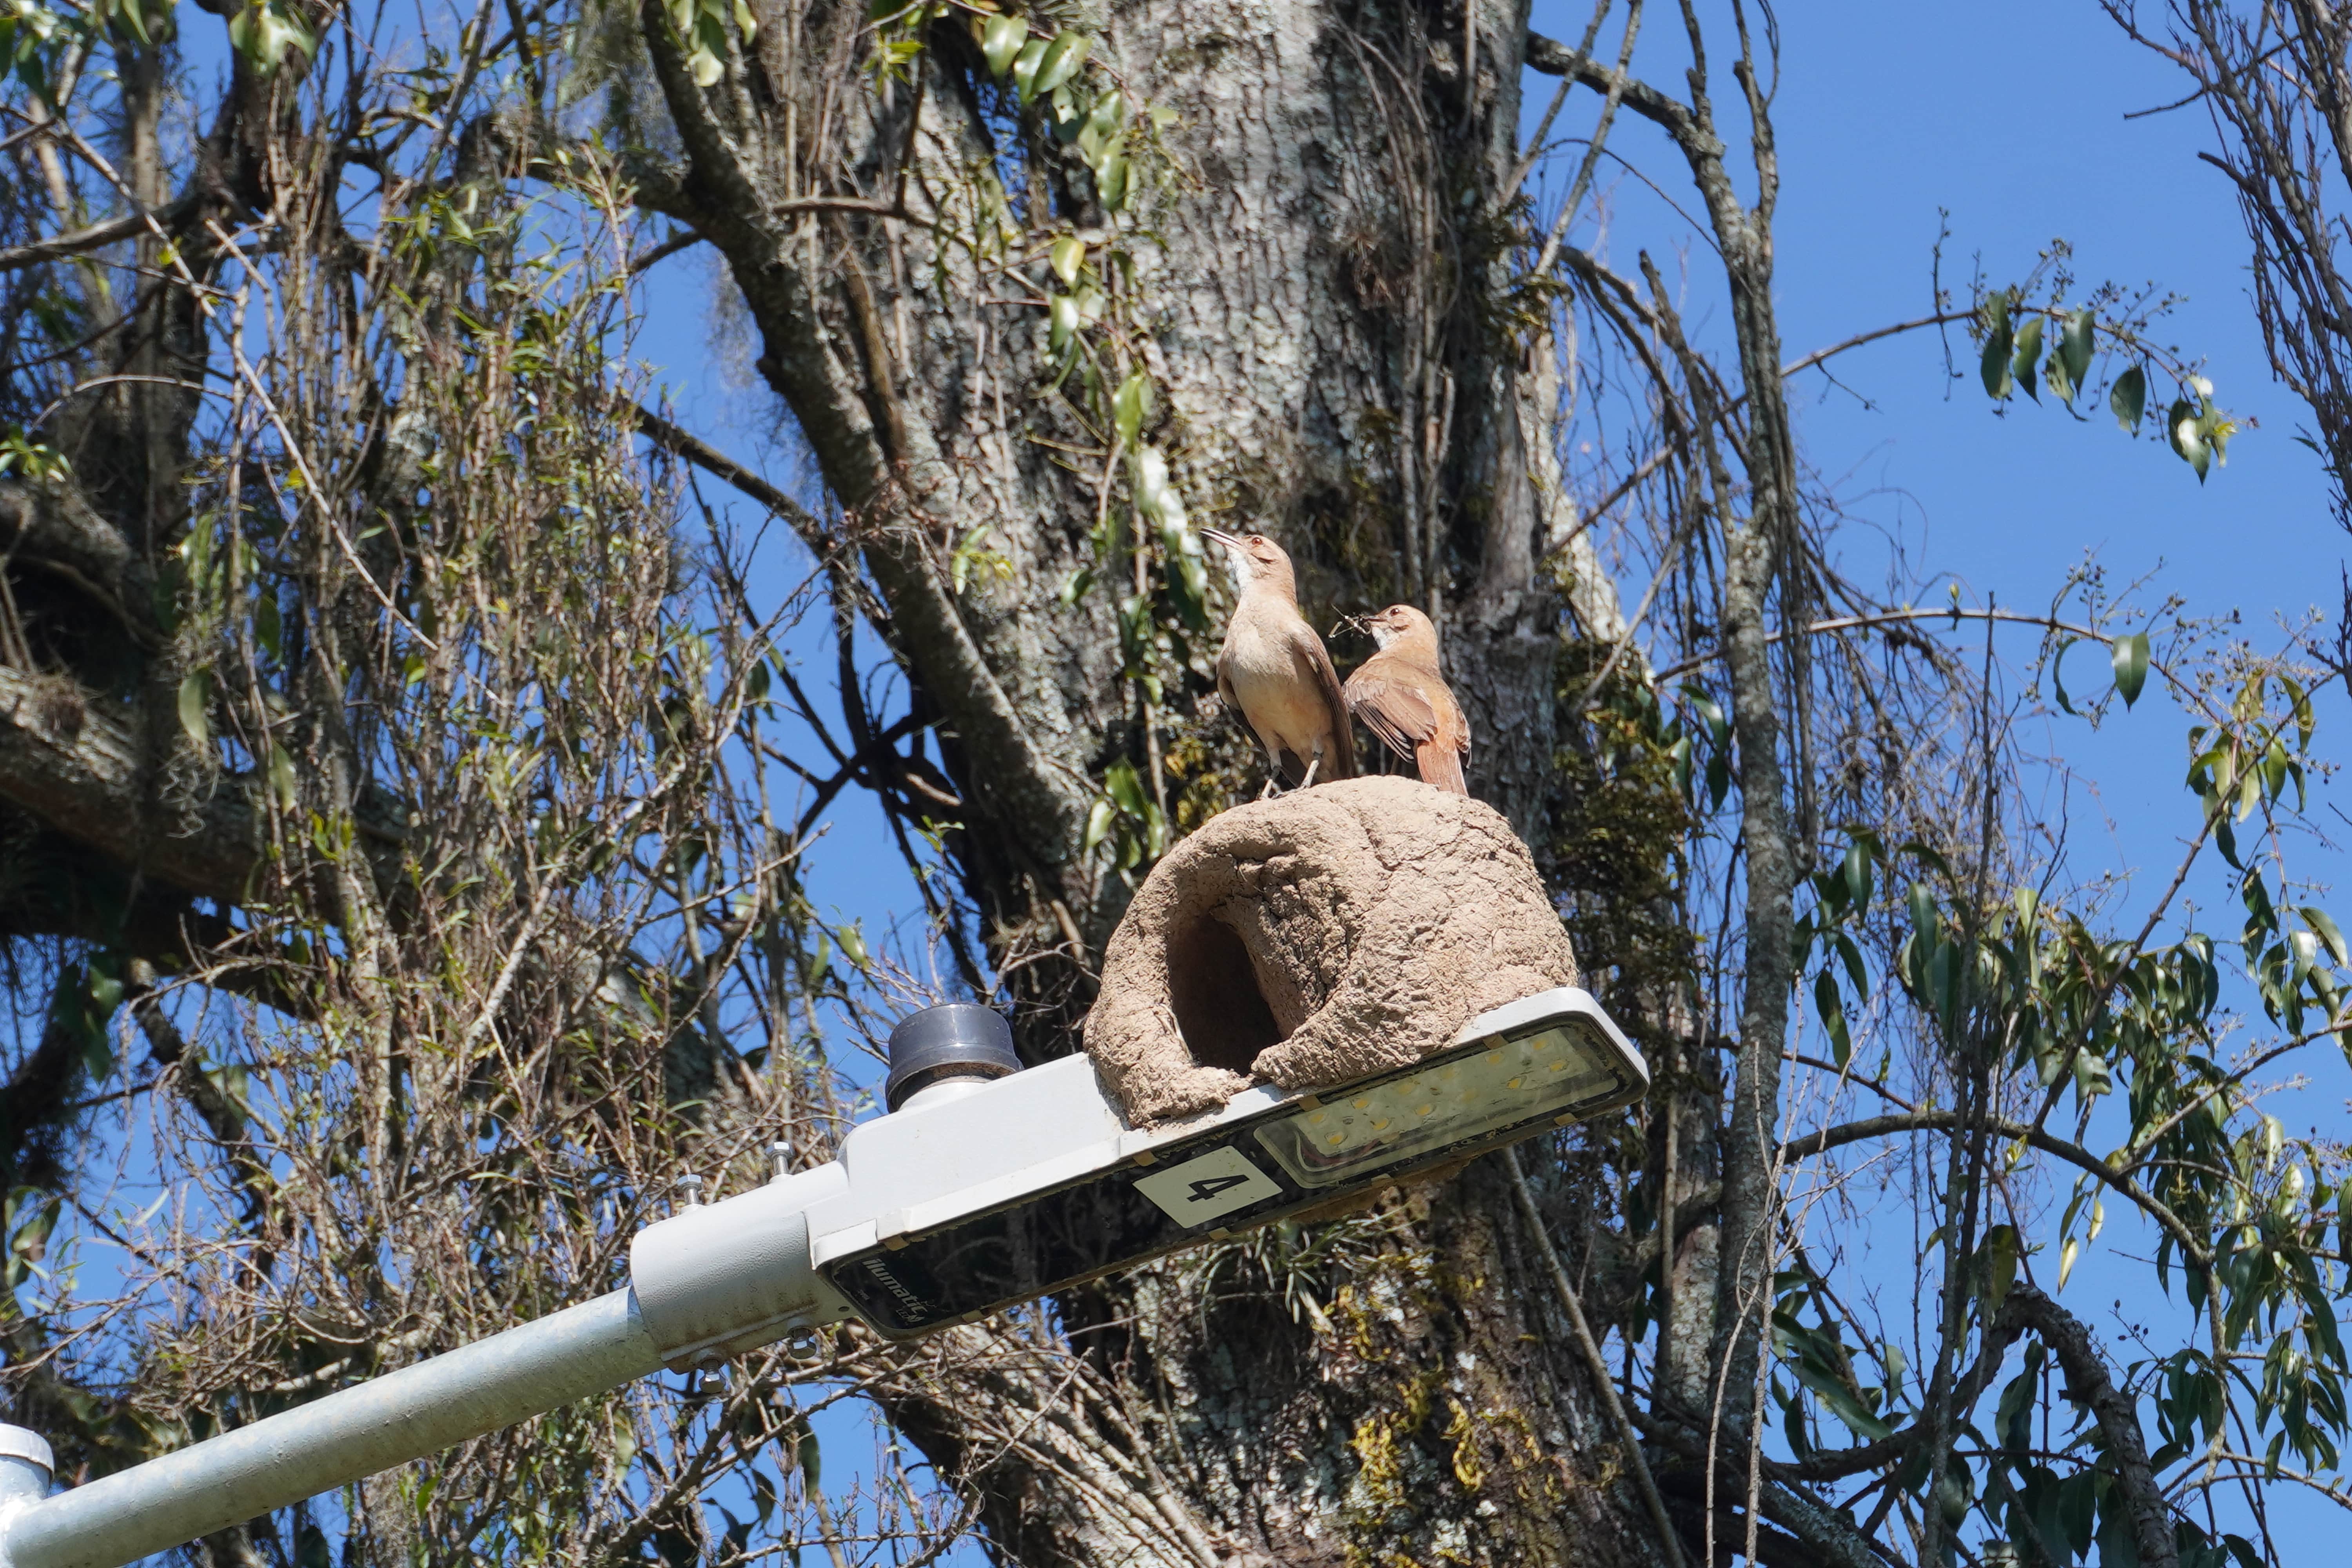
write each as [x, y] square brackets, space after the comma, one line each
[1498, 1084]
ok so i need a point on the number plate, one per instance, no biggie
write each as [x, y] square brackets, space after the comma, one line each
[1214, 1184]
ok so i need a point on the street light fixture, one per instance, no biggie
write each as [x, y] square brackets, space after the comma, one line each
[983, 1186]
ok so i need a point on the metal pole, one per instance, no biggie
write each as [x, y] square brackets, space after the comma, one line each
[357, 1431]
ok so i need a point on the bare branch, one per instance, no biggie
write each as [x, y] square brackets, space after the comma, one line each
[96, 236]
[2088, 1384]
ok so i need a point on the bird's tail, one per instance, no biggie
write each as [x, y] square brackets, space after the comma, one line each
[1439, 764]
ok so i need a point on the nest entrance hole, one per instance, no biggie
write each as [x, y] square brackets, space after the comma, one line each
[1213, 987]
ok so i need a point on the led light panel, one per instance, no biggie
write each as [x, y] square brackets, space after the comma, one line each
[1452, 1100]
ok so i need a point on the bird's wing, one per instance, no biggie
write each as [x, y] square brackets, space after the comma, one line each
[1401, 717]
[1461, 726]
[1308, 649]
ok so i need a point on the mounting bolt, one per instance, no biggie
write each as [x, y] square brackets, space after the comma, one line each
[781, 1154]
[690, 1189]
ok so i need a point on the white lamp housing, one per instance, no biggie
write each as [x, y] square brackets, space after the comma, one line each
[973, 1196]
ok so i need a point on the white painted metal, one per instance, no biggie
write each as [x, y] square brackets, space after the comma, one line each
[26, 1465]
[718, 1279]
[27, 1447]
[315, 1447]
[713, 1280]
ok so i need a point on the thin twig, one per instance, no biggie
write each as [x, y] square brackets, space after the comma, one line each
[1642, 1480]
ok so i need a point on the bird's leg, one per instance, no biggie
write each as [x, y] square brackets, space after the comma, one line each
[1313, 763]
[1273, 770]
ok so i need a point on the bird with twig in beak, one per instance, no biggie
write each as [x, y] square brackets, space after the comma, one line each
[1274, 671]
[1402, 698]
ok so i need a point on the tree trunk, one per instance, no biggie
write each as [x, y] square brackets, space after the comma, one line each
[1321, 293]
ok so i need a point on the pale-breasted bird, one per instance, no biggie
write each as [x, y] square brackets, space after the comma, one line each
[1273, 670]
[1402, 698]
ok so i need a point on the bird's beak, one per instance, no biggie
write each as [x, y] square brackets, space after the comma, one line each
[1231, 542]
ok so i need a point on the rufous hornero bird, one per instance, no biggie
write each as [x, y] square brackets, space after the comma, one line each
[1274, 671]
[1402, 698]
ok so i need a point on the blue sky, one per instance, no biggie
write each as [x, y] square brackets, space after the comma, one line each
[1890, 114]
[2009, 118]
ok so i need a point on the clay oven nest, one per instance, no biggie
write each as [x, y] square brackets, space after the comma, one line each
[1315, 938]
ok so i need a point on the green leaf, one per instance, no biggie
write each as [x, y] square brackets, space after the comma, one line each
[1000, 40]
[1851, 956]
[2093, 1078]
[1125, 787]
[1060, 61]
[1188, 578]
[2058, 674]
[1147, 472]
[1098, 823]
[853, 943]
[2075, 344]
[2184, 426]
[2028, 356]
[1114, 183]
[1127, 406]
[1925, 919]
[2061, 386]
[1841, 1399]
[1104, 124]
[1995, 367]
[2013, 1420]
[1857, 872]
[1064, 316]
[2000, 1258]
[1831, 1007]
[281, 774]
[1068, 253]
[195, 698]
[2216, 428]
[1025, 69]
[810, 1460]
[2129, 659]
[2319, 921]
[2127, 399]
[262, 34]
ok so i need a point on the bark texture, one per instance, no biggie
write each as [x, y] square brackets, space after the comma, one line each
[1322, 283]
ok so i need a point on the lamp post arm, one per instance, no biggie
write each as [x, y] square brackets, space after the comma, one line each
[315, 1447]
